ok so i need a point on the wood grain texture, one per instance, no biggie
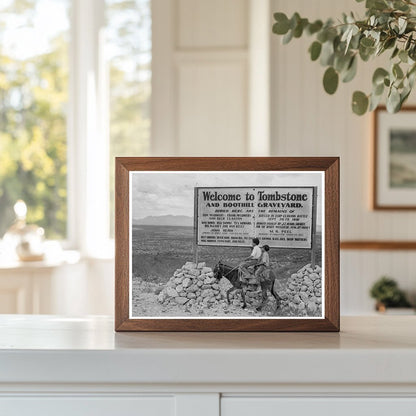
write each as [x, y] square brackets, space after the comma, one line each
[331, 253]
[376, 205]
[378, 245]
[329, 165]
[121, 244]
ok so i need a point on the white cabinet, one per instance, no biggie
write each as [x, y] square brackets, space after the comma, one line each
[79, 366]
[66, 286]
[40, 287]
[272, 406]
[88, 406]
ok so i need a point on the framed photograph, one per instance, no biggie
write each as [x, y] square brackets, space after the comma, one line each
[227, 244]
[394, 179]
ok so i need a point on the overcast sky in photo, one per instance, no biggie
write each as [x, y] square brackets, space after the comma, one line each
[172, 193]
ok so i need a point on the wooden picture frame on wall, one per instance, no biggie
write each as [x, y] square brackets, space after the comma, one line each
[227, 244]
[394, 159]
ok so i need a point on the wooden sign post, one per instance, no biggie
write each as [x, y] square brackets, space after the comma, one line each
[196, 225]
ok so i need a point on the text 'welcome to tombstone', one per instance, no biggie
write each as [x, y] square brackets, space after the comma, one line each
[278, 216]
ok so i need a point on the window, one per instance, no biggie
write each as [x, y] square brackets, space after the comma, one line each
[75, 87]
[129, 43]
[33, 98]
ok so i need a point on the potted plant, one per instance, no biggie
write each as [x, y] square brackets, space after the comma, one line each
[389, 27]
[387, 294]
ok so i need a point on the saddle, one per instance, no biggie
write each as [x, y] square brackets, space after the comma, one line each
[246, 277]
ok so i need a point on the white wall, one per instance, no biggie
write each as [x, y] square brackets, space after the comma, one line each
[307, 121]
[202, 86]
[217, 64]
[218, 78]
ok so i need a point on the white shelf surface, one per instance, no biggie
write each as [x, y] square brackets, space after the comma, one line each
[53, 349]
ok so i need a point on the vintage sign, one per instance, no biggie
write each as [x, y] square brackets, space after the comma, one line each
[279, 216]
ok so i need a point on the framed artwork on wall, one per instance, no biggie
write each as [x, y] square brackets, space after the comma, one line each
[394, 159]
[227, 244]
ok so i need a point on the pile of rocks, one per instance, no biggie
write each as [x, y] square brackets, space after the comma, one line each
[303, 293]
[193, 284]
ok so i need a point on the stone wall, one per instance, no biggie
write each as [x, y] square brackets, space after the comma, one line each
[193, 284]
[195, 288]
[302, 295]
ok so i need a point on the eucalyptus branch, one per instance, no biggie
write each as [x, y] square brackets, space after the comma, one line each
[389, 25]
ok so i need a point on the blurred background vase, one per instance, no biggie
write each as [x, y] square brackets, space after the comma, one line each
[26, 241]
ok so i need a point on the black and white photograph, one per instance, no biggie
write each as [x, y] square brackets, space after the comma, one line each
[403, 158]
[226, 244]
[394, 159]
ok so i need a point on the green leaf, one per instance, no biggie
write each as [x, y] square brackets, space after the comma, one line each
[402, 24]
[379, 75]
[389, 43]
[298, 30]
[351, 71]
[412, 70]
[403, 56]
[366, 48]
[400, 5]
[374, 101]
[330, 80]
[348, 35]
[411, 76]
[403, 96]
[397, 71]
[322, 36]
[366, 53]
[393, 101]
[378, 89]
[315, 50]
[314, 27]
[412, 52]
[341, 61]
[367, 42]
[281, 27]
[327, 53]
[359, 103]
[376, 4]
[294, 20]
[355, 41]
[408, 42]
[395, 52]
[288, 37]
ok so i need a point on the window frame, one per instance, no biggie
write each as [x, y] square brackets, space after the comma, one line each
[87, 133]
[87, 128]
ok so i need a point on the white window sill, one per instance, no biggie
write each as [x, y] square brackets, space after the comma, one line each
[8, 262]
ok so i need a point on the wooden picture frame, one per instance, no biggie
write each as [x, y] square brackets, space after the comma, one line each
[394, 145]
[145, 175]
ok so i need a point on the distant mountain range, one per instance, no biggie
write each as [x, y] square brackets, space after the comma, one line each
[171, 220]
[176, 220]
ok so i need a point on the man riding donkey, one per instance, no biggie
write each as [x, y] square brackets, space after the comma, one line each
[254, 269]
[254, 257]
[257, 264]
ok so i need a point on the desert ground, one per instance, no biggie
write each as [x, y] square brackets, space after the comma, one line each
[159, 250]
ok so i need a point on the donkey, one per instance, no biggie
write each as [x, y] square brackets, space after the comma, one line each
[231, 274]
[270, 284]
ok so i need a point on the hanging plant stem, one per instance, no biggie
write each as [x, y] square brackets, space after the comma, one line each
[389, 26]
